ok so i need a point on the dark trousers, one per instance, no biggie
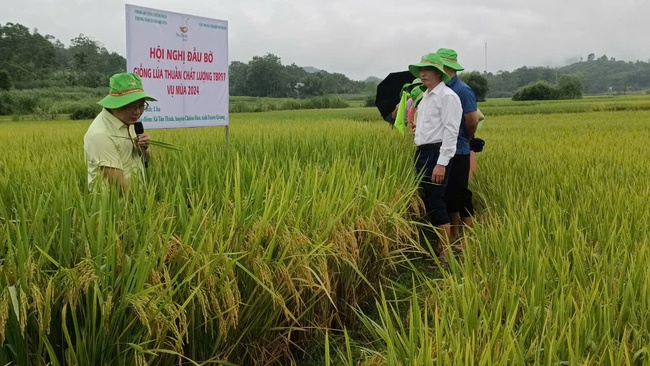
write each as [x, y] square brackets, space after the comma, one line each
[458, 197]
[432, 194]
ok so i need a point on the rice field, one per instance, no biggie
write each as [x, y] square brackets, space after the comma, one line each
[298, 243]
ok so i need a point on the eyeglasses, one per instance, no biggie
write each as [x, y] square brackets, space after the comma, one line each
[140, 108]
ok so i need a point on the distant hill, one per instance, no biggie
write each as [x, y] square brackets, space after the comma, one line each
[602, 75]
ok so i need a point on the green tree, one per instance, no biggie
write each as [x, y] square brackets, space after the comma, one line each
[477, 82]
[570, 87]
[27, 57]
[237, 73]
[5, 80]
[266, 77]
[296, 78]
[312, 86]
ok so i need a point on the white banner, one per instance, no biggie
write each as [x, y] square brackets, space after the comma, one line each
[183, 62]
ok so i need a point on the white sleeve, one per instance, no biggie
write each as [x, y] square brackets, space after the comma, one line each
[451, 115]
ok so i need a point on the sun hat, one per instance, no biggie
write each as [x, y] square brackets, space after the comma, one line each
[449, 58]
[415, 83]
[125, 88]
[429, 60]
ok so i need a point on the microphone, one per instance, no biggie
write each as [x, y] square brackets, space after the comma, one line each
[139, 130]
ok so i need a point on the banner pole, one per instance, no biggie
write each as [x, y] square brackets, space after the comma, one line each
[227, 134]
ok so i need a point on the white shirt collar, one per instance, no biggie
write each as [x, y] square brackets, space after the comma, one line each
[437, 89]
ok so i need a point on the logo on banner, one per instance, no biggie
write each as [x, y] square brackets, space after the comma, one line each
[184, 29]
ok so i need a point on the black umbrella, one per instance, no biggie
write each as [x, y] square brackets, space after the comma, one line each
[388, 91]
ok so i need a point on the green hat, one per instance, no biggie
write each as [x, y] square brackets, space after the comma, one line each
[449, 58]
[416, 94]
[429, 60]
[417, 100]
[416, 82]
[125, 88]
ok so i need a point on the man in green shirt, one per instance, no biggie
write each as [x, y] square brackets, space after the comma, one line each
[112, 149]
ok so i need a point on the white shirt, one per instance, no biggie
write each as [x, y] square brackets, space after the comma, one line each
[438, 120]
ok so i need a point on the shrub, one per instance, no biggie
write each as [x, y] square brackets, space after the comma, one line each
[370, 101]
[25, 103]
[540, 90]
[85, 112]
[46, 113]
[326, 102]
[5, 80]
[6, 103]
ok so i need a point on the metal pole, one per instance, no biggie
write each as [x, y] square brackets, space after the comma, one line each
[227, 134]
[486, 58]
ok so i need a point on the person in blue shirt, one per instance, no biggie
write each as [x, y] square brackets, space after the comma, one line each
[458, 196]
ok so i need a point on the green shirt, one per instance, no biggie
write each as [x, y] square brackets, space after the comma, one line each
[110, 143]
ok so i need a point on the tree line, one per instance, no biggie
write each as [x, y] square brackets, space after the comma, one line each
[600, 75]
[265, 76]
[30, 60]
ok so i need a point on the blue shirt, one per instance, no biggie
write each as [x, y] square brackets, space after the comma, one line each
[468, 101]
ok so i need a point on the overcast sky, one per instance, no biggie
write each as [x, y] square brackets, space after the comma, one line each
[362, 38]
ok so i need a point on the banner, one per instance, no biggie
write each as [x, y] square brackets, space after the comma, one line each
[183, 62]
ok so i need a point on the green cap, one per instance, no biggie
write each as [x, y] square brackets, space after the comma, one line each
[125, 88]
[429, 60]
[449, 58]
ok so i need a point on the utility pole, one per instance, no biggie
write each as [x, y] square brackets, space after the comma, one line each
[485, 58]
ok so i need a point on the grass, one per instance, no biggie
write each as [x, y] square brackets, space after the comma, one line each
[297, 243]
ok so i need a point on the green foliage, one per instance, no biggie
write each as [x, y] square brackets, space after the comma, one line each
[370, 101]
[478, 82]
[5, 80]
[45, 113]
[501, 107]
[35, 61]
[265, 76]
[6, 103]
[235, 253]
[540, 90]
[244, 104]
[275, 244]
[570, 87]
[85, 112]
[598, 76]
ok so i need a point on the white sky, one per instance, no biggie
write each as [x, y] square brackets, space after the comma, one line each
[362, 38]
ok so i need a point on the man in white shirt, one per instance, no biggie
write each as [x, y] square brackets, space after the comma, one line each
[436, 132]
